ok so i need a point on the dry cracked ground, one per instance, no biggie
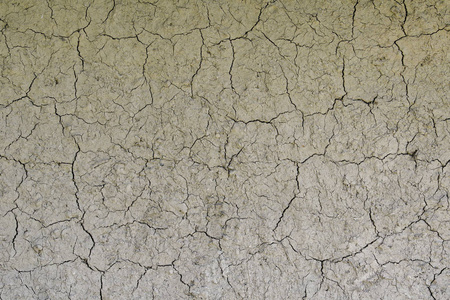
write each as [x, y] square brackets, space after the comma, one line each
[224, 149]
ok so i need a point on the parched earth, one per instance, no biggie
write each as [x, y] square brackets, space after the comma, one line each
[242, 149]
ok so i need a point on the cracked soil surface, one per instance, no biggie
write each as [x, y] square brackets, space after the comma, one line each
[202, 149]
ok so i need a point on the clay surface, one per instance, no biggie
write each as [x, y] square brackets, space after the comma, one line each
[202, 149]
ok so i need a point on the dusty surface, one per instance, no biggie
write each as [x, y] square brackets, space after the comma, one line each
[224, 149]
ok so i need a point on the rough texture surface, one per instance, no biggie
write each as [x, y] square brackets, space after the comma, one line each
[224, 149]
